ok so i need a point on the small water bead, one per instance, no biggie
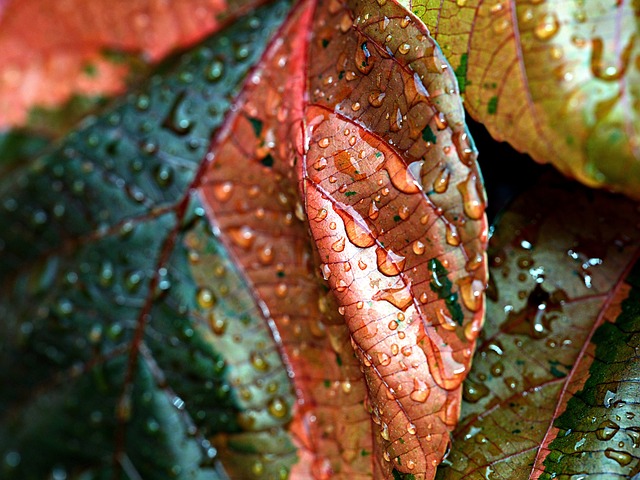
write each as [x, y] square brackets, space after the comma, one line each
[420, 391]
[223, 191]
[324, 142]
[355, 107]
[242, 236]
[547, 27]
[404, 48]
[374, 211]
[362, 265]
[384, 431]
[215, 71]
[404, 212]
[376, 98]
[205, 297]
[338, 246]
[278, 408]
[266, 255]
[384, 359]
[607, 430]
[389, 263]
[451, 235]
[281, 290]
[418, 247]
[321, 215]
[441, 183]
[218, 325]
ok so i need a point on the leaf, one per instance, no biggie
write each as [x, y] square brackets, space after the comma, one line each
[256, 211]
[558, 80]
[552, 390]
[50, 52]
[190, 273]
[116, 294]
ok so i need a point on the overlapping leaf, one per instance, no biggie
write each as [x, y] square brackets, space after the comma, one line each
[553, 390]
[177, 292]
[557, 79]
[51, 51]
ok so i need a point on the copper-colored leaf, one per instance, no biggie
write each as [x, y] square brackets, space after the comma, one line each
[558, 348]
[396, 208]
[342, 154]
[559, 80]
[50, 51]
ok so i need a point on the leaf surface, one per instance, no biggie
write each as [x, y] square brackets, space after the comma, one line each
[117, 294]
[189, 206]
[558, 80]
[552, 390]
[50, 51]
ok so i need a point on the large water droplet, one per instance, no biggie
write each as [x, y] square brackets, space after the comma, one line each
[389, 263]
[420, 391]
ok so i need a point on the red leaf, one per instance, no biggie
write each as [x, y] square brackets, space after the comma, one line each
[373, 124]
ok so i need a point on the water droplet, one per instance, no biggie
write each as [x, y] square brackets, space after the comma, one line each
[338, 246]
[473, 392]
[389, 263]
[215, 71]
[384, 359]
[266, 255]
[441, 183]
[321, 215]
[324, 142]
[282, 290]
[471, 290]
[374, 212]
[384, 431]
[411, 428]
[623, 458]
[401, 298]
[218, 325]
[258, 361]
[403, 212]
[607, 430]
[420, 391]
[243, 236]
[418, 247]
[356, 227]
[376, 98]
[404, 48]
[278, 408]
[320, 164]
[205, 298]
[473, 202]
[452, 236]
[223, 191]
[547, 27]
[363, 60]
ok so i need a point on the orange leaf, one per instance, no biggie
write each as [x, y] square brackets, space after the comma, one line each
[50, 51]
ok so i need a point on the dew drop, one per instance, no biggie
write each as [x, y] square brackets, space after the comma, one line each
[376, 98]
[623, 458]
[384, 359]
[404, 48]
[205, 298]
[607, 430]
[441, 183]
[420, 391]
[384, 431]
[320, 164]
[403, 212]
[357, 230]
[278, 408]
[452, 236]
[324, 142]
[266, 255]
[223, 191]
[471, 290]
[418, 247]
[389, 263]
[258, 361]
[243, 236]
[338, 246]
[547, 27]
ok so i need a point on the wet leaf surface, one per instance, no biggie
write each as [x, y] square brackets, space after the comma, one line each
[166, 315]
[556, 365]
[557, 79]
